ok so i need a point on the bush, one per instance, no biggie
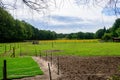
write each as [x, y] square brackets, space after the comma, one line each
[107, 37]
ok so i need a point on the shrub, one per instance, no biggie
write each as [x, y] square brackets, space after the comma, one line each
[107, 37]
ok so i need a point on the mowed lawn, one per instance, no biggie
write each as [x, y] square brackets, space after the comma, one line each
[20, 67]
[70, 47]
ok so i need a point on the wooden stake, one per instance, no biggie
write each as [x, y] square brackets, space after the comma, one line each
[49, 71]
[5, 70]
[13, 51]
[51, 58]
[58, 64]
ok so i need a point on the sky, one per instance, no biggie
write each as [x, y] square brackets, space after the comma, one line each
[68, 16]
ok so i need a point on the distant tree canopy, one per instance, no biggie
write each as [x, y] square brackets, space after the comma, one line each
[99, 33]
[78, 35]
[105, 34]
[16, 30]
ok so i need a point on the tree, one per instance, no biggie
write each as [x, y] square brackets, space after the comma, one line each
[118, 32]
[116, 25]
[69, 36]
[114, 29]
[6, 25]
[80, 35]
[107, 36]
[12, 30]
[89, 35]
[99, 33]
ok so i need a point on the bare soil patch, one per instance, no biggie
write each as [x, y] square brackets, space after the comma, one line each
[88, 68]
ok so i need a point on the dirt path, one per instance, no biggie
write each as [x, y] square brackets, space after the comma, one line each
[44, 66]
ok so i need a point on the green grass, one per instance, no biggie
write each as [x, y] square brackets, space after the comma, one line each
[6, 47]
[78, 48]
[75, 48]
[91, 49]
[20, 67]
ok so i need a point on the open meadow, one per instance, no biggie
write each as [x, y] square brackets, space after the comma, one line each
[65, 47]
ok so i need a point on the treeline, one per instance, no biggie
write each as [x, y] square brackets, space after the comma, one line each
[112, 32]
[104, 34]
[12, 30]
[78, 35]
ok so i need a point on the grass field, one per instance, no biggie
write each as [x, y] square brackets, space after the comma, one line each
[70, 47]
[78, 48]
[20, 67]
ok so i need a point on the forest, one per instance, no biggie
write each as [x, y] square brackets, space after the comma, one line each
[12, 30]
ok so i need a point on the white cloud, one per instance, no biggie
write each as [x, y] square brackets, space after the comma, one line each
[92, 18]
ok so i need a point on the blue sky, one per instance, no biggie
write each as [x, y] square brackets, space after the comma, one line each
[68, 18]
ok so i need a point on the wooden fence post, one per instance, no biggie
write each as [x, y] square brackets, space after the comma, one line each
[49, 71]
[58, 64]
[13, 51]
[5, 70]
[51, 58]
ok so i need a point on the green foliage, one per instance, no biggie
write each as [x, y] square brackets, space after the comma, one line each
[118, 32]
[113, 31]
[20, 67]
[6, 24]
[81, 35]
[116, 25]
[100, 33]
[107, 36]
[15, 30]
